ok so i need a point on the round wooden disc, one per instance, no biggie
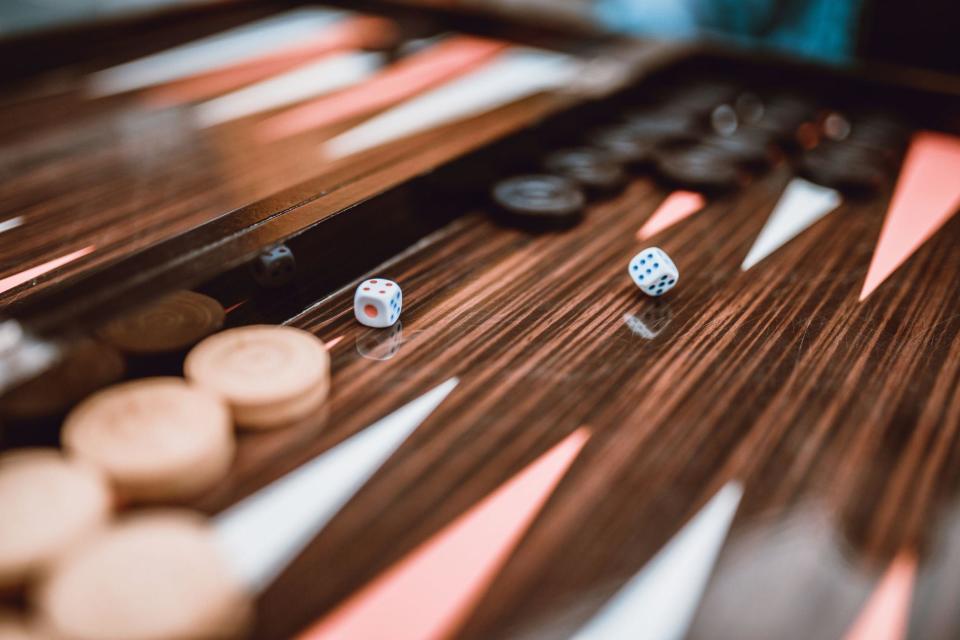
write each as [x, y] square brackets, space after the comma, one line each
[543, 199]
[283, 413]
[747, 146]
[698, 166]
[172, 323]
[841, 165]
[784, 114]
[156, 438]
[48, 503]
[621, 144]
[155, 575]
[594, 169]
[259, 367]
[659, 127]
[878, 133]
[88, 366]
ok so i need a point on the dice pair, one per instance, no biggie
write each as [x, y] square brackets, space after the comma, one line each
[377, 303]
[653, 271]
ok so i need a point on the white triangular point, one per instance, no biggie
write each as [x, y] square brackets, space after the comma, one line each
[926, 196]
[886, 614]
[327, 75]
[513, 75]
[261, 534]
[659, 602]
[801, 204]
[428, 594]
[218, 50]
[439, 60]
[11, 223]
[676, 207]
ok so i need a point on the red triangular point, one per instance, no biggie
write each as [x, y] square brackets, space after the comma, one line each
[27, 275]
[927, 194]
[887, 612]
[429, 593]
[677, 206]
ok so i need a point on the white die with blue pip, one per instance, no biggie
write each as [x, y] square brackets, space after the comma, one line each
[377, 303]
[653, 271]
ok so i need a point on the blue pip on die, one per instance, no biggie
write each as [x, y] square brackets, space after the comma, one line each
[653, 271]
[377, 303]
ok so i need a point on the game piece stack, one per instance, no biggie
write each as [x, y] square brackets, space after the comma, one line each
[622, 145]
[147, 572]
[709, 135]
[705, 135]
[155, 574]
[593, 169]
[49, 503]
[733, 134]
[857, 154]
[174, 322]
[155, 439]
[269, 376]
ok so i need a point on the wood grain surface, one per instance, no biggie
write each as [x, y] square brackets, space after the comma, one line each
[839, 417]
[120, 175]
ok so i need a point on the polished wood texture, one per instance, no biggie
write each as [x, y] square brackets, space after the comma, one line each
[107, 198]
[121, 175]
[839, 417]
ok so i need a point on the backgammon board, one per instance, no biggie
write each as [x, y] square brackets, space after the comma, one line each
[536, 448]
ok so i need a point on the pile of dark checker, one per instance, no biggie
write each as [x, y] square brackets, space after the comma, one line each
[709, 136]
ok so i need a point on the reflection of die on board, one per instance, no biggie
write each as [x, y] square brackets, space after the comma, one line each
[380, 345]
[650, 322]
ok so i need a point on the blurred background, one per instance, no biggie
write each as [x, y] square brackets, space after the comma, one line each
[919, 33]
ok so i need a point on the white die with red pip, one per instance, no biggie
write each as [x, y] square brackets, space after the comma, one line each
[377, 303]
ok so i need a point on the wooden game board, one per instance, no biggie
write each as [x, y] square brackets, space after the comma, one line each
[762, 452]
